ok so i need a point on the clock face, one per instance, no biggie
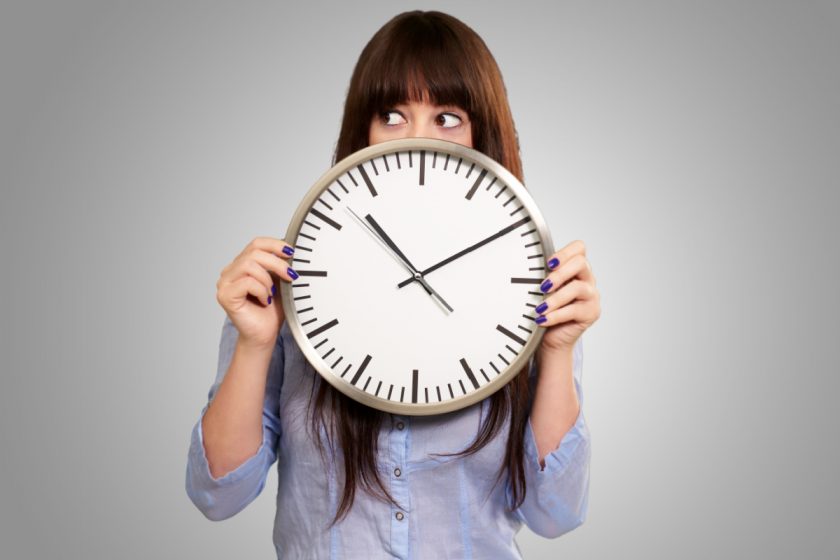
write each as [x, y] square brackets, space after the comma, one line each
[420, 263]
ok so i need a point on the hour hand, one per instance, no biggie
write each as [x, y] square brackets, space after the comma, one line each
[373, 226]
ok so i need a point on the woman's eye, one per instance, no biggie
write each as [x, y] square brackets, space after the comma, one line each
[391, 118]
[448, 120]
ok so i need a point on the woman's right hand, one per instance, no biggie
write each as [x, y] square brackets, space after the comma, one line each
[247, 288]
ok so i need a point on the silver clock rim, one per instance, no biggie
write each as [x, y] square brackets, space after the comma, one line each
[351, 161]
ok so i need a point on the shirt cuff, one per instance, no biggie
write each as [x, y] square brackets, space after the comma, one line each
[201, 466]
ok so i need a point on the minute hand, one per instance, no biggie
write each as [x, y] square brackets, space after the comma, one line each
[459, 254]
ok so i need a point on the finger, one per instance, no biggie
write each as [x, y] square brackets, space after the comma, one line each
[574, 290]
[576, 247]
[237, 291]
[572, 312]
[275, 264]
[272, 245]
[578, 266]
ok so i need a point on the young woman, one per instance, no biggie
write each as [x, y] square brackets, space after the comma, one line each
[456, 485]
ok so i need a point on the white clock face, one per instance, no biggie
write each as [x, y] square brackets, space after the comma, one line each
[420, 263]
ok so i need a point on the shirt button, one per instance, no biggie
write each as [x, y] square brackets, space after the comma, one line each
[400, 425]
[397, 471]
[399, 516]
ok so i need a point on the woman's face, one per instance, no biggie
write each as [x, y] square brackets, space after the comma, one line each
[421, 119]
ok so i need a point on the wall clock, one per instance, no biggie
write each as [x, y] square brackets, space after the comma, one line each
[419, 265]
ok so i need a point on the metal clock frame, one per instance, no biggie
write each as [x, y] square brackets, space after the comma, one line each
[349, 163]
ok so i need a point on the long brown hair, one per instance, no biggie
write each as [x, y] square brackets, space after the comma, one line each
[424, 56]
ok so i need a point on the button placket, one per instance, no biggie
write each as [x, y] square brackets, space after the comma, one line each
[399, 439]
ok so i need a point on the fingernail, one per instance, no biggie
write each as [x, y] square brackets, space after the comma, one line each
[269, 300]
[542, 307]
[545, 286]
[540, 320]
[273, 289]
[553, 263]
[288, 250]
[292, 273]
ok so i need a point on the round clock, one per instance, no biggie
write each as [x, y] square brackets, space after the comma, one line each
[419, 264]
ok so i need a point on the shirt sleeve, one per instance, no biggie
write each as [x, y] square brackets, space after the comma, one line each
[221, 498]
[557, 497]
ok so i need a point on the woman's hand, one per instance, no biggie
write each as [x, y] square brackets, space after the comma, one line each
[572, 302]
[246, 289]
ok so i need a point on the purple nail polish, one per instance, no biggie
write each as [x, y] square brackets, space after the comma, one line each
[540, 320]
[269, 300]
[288, 250]
[545, 286]
[273, 289]
[542, 307]
[553, 263]
[292, 273]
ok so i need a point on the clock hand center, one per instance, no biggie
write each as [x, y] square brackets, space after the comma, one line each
[388, 244]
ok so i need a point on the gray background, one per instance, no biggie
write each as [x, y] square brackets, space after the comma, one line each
[693, 146]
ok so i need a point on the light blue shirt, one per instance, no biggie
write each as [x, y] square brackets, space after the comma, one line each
[449, 506]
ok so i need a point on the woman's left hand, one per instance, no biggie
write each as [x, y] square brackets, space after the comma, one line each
[572, 302]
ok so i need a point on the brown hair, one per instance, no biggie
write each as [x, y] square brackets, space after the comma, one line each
[413, 55]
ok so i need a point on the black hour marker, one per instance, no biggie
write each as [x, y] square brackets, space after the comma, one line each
[301, 260]
[507, 363]
[484, 374]
[322, 328]
[307, 236]
[509, 201]
[309, 322]
[385, 160]
[446, 164]
[513, 336]
[438, 393]
[494, 367]
[307, 222]
[362, 367]
[316, 273]
[397, 154]
[527, 232]
[305, 310]
[373, 165]
[526, 280]
[331, 350]
[434, 159]
[402, 391]
[451, 394]
[511, 349]
[304, 285]
[460, 160]
[325, 204]
[426, 390]
[410, 161]
[493, 182]
[537, 294]
[504, 187]
[325, 218]
[342, 186]
[303, 297]
[392, 385]
[529, 317]
[302, 248]
[367, 180]
[470, 171]
[423, 167]
[379, 386]
[469, 373]
[320, 343]
[527, 330]
[335, 363]
[335, 196]
[532, 244]
[475, 185]
[517, 210]
[535, 256]
[414, 380]
[461, 383]
[366, 384]
[346, 370]
[537, 268]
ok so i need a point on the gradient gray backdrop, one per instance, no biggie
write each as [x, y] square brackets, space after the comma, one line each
[693, 146]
